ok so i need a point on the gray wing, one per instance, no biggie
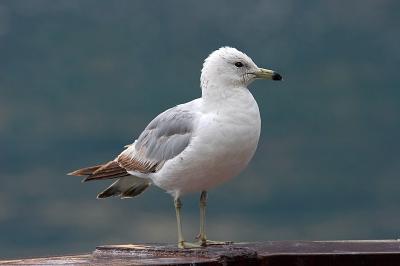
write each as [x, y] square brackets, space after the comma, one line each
[163, 139]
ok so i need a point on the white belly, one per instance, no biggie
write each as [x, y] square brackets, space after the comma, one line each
[224, 144]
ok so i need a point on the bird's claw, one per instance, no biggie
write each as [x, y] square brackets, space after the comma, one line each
[205, 242]
[184, 244]
[213, 242]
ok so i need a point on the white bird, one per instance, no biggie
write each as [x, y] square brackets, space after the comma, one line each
[194, 146]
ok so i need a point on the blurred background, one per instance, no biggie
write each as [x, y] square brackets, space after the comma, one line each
[77, 83]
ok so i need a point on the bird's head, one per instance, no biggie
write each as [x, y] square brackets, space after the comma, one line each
[229, 67]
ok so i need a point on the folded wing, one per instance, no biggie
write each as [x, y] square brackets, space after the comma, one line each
[163, 139]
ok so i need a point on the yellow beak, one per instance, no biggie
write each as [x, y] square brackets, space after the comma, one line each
[263, 73]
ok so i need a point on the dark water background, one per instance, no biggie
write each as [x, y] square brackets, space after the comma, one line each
[80, 79]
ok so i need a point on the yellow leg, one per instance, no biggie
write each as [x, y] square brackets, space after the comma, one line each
[181, 242]
[202, 235]
[203, 204]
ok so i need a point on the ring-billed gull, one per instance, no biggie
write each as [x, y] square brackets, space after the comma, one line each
[194, 146]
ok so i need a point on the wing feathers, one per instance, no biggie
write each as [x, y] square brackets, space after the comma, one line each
[168, 135]
[131, 163]
[105, 171]
[163, 139]
[85, 171]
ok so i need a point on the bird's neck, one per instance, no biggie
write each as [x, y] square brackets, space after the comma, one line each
[218, 93]
[222, 98]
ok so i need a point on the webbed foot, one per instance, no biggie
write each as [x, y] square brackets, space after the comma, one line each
[205, 242]
[184, 244]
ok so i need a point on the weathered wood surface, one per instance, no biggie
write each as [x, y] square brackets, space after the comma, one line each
[369, 252]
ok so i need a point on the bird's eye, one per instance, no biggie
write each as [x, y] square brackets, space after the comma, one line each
[239, 64]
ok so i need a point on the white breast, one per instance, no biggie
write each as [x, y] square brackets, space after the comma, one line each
[225, 141]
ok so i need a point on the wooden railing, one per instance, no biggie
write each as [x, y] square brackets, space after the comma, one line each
[299, 253]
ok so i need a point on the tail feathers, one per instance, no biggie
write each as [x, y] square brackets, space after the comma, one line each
[125, 187]
[104, 171]
[134, 191]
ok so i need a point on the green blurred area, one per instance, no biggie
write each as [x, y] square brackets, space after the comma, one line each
[80, 79]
